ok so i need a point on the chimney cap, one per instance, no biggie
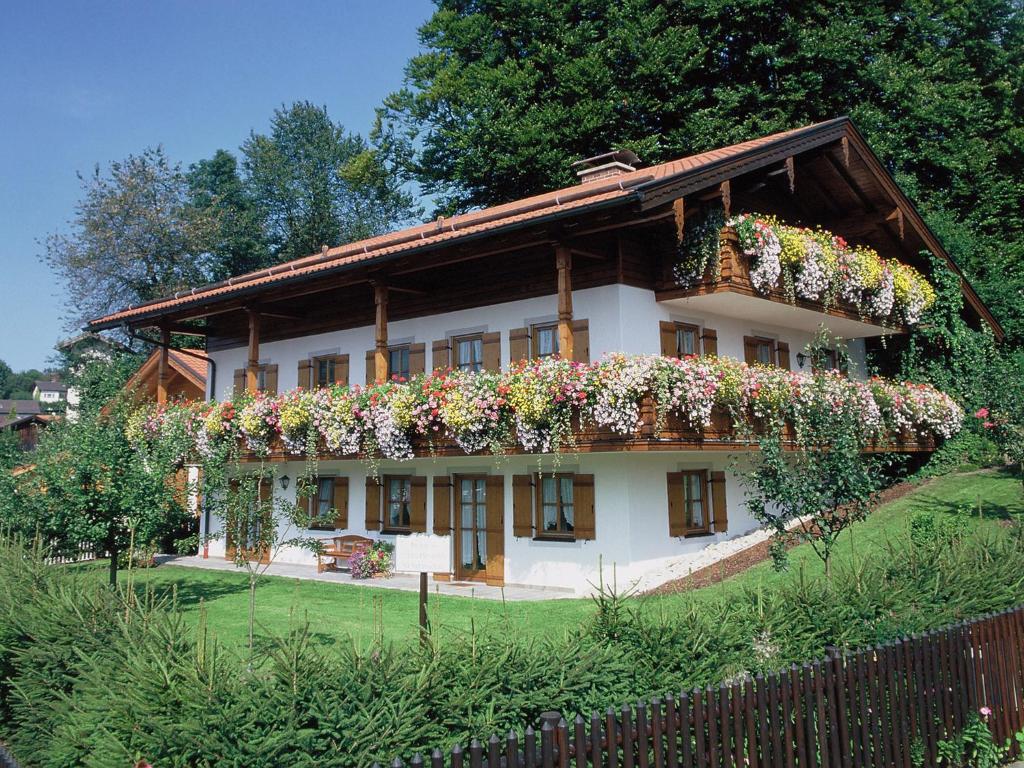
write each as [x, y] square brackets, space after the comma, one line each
[614, 163]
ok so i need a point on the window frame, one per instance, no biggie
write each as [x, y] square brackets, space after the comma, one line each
[314, 373]
[467, 337]
[541, 533]
[385, 518]
[772, 344]
[313, 505]
[704, 476]
[400, 348]
[535, 331]
[697, 344]
[831, 361]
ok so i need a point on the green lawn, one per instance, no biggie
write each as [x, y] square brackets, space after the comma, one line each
[338, 613]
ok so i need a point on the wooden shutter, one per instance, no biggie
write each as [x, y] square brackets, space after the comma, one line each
[522, 506]
[492, 351]
[371, 373]
[341, 370]
[495, 530]
[341, 503]
[750, 349]
[519, 344]
[667, 330]
[441, 355]
[782, 356]
[305, 377]
[709, 342]
[719, 508]
[583, 506]
[271, 379]
[417, 358]
[372, 504]
[418, 504]
[239, 380]
[581, 341]
[442, 505]
[676, 513]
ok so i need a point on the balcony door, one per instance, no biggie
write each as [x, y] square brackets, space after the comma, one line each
[479, 529]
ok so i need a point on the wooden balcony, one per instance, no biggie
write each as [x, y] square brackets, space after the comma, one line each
[675, 435]
[734, 295]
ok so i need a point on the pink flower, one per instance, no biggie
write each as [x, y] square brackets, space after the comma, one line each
[985, 711]
[982, 413]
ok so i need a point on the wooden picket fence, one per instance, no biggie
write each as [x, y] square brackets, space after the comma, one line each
[888, 705]
[85, 553]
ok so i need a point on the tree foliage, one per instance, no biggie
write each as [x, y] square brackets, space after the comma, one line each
[134, 237]
[315, 184]
[506, 95]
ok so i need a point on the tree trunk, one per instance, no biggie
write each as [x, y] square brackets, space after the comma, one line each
[252, 610]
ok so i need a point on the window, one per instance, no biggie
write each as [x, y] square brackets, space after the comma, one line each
[261, 378]
[324, 369]
[397, 507]
[687, 340]
[824, 360]
[545, 340]
[695, 511]
[398, 362]
[556, 506]
[322, 506]
[469, 353]
[759, 350]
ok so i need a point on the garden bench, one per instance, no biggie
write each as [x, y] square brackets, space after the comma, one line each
[340, 548]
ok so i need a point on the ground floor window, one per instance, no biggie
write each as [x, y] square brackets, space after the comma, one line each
[556, 506]
[321, 504]
[696, 502]
[397, 504]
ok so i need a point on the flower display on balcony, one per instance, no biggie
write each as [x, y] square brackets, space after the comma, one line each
[811, 264]
[541, 407]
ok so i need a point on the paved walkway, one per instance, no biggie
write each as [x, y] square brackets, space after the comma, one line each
[409, 582]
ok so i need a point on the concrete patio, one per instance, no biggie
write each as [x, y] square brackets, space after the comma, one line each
[408, 582]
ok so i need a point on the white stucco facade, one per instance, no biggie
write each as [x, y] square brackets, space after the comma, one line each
[630, 489]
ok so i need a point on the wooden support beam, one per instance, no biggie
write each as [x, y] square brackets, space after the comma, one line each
[183, 329]
[380, 354]
[163, 374]
[253, 367]
[791, 173]
[726, 192]
[563, 262]
[897, 216]
[679, 211]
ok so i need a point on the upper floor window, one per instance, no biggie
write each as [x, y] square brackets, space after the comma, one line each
[469, 353]
[324, 371]
[759, 350]
[545, 340]
[397, 503]
[398, 361]
[687, 340]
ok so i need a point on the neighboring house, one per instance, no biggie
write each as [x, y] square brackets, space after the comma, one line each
[50, 391]
[582, 271]
[184, 376]
[80, 349]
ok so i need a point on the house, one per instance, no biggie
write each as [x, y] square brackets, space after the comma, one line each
[26, 427]
[582, 272]
[177, 374]
[50, 391]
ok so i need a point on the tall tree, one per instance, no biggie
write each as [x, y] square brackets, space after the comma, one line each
[314, 184]
[218, 193]
[508, 93]
[134, 237]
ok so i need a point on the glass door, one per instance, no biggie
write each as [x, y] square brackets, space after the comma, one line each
[471, 516]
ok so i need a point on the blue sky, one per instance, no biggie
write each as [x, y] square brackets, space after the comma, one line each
[89, 82]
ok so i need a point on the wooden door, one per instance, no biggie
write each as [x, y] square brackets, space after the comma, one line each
[470, 527]
[249, 550]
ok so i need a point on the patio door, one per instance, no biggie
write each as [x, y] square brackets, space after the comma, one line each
[479, 529]
[247, 539]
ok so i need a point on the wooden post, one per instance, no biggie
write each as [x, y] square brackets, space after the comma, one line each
[252, 369]
[423, 608]
[163, 372]
[380, 354]
[563, 261]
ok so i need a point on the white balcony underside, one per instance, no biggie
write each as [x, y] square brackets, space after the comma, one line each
[774, 313]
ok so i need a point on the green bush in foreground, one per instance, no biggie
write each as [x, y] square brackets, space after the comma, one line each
[87, 680]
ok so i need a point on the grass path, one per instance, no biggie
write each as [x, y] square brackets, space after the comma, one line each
[343, 613]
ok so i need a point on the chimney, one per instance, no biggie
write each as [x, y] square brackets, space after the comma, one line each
[606, 166]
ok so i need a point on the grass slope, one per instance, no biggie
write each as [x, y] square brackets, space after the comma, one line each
[343, 613]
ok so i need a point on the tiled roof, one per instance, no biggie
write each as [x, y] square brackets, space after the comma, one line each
[189, 365]
[49, 385]
[20, 407]
[611, 191]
